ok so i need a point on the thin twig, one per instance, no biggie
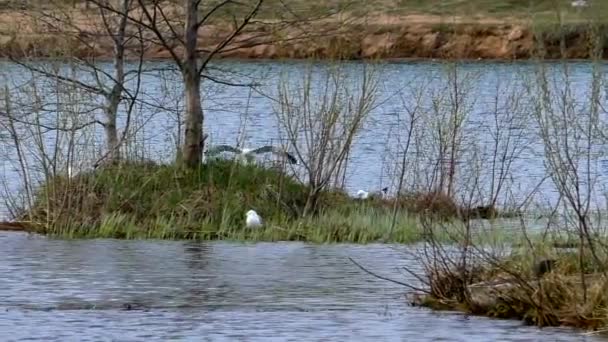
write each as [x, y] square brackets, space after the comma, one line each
[387, 279]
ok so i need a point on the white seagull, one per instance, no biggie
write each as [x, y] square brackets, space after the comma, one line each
[579, 3]
[253, 220]
[362, 194]
[247, 154]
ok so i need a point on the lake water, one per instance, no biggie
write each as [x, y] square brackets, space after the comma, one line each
[240, 113]
[82, 290]
[55, 290]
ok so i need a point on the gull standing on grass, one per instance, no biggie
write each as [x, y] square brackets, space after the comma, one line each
[579, 3]
[362, 194]
[246, 155]
[253, 220]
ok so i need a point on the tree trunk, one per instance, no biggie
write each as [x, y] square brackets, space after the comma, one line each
[311, 202]
[113, 97]
[193, 134]
[109, 127]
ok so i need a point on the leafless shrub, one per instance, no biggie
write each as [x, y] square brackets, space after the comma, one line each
[110, 86]
[321, 116]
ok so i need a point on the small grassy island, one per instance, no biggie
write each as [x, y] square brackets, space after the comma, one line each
[149, 200]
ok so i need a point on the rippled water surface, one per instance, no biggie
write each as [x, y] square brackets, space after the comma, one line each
[54, 290]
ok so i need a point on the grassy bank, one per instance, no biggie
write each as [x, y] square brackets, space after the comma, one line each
[471, 9]
[571, 293]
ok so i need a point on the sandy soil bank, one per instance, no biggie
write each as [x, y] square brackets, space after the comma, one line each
[383, 37]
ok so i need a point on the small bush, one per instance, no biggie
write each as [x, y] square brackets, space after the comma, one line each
[553, 300]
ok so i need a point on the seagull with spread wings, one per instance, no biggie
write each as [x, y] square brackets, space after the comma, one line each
[247, 154]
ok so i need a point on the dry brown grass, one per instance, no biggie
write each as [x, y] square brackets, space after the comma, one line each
[439, 205]
[508, 290]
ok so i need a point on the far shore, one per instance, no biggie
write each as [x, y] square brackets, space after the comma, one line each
[404, 60]
[388, 38]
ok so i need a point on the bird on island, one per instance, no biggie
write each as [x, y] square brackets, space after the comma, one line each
[384, 193]
[579, 3]
[253, 220]
[362, 194]
[246, 155]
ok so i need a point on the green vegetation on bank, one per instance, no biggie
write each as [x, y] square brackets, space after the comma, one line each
[345, 29]
[475, 10]
[468, 10]
[145, 200]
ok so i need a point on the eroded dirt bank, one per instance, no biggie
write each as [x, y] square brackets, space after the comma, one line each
[412, 36]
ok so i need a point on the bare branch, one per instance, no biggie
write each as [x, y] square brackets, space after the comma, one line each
[387, 279]
[228, 39]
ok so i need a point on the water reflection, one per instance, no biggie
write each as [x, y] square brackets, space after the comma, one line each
[79, 290]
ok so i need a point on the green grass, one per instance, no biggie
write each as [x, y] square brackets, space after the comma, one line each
[331, 227]
[542, 10]
[138, 200]
[145, 200]
[546, 10]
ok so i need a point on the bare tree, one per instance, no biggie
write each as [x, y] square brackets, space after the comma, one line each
[508, 136]
[49, 121]
[114, 96]
[175, 29]
[451, 136]
[568, 127]
[162, 20]
[321, 117]
[409, 127]
[110, 22]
